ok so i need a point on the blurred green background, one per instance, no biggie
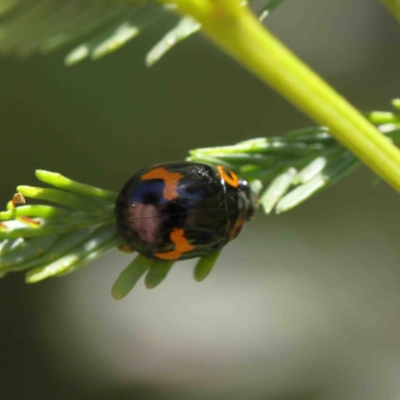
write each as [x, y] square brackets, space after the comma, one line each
[305, 305]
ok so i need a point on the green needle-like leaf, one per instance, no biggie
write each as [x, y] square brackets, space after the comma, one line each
[93, 18]
[16, 229]
[157, 273]
[112, 42]
[93, 255]
[321, 137]
[245, 159]
[256, 186]
[277, 189]
[28, 250]
[310, 170]
[382, 117]
[63, 244]
[333, 172]
[396, 103]
[130, 276]
[35, 211]
[67, 199]
[263, 146]
[186, 27]
[205, 265]
[96, 240]
[9, 245]
[267, 9]
[62, 182]
[116, 36]
[204, 158]
[104, 44]
[251, 172]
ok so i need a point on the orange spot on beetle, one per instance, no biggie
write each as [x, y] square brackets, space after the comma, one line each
[228, 176]
[181, 246]
[171, 180]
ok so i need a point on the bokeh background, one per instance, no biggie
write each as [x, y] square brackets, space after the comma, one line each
[304, 305]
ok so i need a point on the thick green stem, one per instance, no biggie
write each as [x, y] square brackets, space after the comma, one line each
[238, 32]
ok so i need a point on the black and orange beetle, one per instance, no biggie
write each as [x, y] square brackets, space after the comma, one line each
[182, 210]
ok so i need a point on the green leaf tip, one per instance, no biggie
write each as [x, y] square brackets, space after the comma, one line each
[158, 272]
[109, 42]
[396, 103]
[42, 211]
[205, 265]
[130, 276]
[185, 28]
[64, 198]
[277, 189]
[268, 8]
[310, 170]
[62, 182]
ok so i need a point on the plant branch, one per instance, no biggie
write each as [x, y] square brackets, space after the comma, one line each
[236, 30]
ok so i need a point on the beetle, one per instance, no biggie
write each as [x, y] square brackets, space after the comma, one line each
[182, 210]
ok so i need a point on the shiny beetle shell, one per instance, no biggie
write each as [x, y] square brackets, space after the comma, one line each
[182, 210]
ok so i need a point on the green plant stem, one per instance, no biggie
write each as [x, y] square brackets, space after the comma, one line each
[235, 29]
